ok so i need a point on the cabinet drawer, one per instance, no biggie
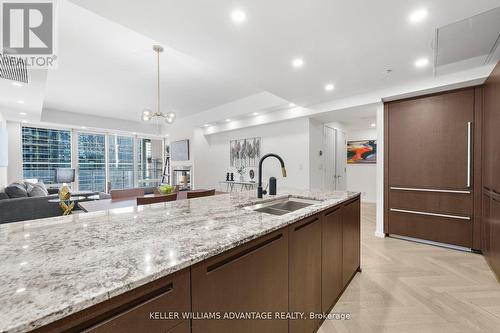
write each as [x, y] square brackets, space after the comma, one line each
[134, 316]
[434, 228]
[447, 203]
[305, 272]
[130, 311]
[251, 278]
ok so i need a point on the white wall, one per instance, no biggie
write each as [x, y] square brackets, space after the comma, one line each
[15, 168]
[316, 166]
[363, 177]
[288, 139]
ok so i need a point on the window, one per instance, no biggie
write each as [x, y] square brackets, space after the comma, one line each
[149, 162]
[44, 150]
[121, 162]
[91, 162]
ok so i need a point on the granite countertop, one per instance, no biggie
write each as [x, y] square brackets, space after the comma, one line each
[57, 266]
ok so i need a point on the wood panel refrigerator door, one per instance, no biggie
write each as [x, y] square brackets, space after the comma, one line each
[340, 161]
[329, 158]
[491, 121]
[429, 140]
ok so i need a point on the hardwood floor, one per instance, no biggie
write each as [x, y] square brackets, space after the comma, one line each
[411, 287]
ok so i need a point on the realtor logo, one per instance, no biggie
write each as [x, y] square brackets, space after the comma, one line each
[28, 31]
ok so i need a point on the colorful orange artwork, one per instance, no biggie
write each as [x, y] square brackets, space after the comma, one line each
[362, 152]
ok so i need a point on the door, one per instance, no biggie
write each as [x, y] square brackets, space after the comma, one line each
[305, 272]
[335, 157]
[341, 162]
[430, 140]
[330, 138]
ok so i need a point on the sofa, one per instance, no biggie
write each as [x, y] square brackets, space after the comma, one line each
[28, 208]
[28, 200]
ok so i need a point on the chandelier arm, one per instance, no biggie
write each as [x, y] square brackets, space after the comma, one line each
[158, 62]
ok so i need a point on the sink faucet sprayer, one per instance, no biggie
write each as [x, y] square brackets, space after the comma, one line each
[260, 191]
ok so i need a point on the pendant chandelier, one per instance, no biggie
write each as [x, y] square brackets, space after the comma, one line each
[147, 114]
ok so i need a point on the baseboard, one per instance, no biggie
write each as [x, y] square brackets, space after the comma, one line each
[379, 234]
[369, 201]
[428, 242]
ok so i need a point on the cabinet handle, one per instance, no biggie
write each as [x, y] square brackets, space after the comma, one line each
[351, 202]
[305, 224]
[332, 211]
[469, 152]
[417, 189]
[130, 306]
[429, 214]
[243, 253]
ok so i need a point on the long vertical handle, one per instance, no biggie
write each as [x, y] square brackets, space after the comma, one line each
[469, 152]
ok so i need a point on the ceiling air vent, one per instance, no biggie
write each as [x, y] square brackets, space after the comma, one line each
[13, 68]
[468, 43]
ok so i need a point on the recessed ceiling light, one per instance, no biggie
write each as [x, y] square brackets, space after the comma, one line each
[373, 125]
[418, 15]
[297, 62]
[134, 133]
[422, 62]
[83, 127]
[291, 105]
[238, 16]
[255, 114]
[228, 120]
[17, 84]
[329, 87]
[20, 102]
[22, 113]
[206, 125]
[24, 121]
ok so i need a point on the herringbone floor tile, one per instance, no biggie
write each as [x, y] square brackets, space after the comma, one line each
[406, 287]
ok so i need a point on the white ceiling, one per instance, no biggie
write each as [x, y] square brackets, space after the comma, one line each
[355, 118]
[107, 67]
[349, 43]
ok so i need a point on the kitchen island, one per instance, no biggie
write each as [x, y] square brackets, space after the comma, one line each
[150, 268]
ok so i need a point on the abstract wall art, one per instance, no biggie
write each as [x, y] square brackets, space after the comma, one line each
[244, 152]
[362, 152]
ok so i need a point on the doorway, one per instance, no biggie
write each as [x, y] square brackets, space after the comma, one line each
[335, 157]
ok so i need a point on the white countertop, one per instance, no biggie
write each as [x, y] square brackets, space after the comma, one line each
[57, 266]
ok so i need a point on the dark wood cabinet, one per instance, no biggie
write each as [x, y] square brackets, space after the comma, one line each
[494, 254]
[331, 257]
[130, 312]
[351, 231]
[252, 277]
[302, 268]
[491, 171]
[305, 272]
[432, 167]
[428, 140]
[184, 327]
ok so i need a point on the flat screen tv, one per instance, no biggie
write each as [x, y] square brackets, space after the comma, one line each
[65, 175]
[179, 150]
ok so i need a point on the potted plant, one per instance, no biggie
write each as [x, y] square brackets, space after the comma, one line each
[241, 171]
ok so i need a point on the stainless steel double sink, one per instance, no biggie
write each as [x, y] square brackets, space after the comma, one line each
[282, 206]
